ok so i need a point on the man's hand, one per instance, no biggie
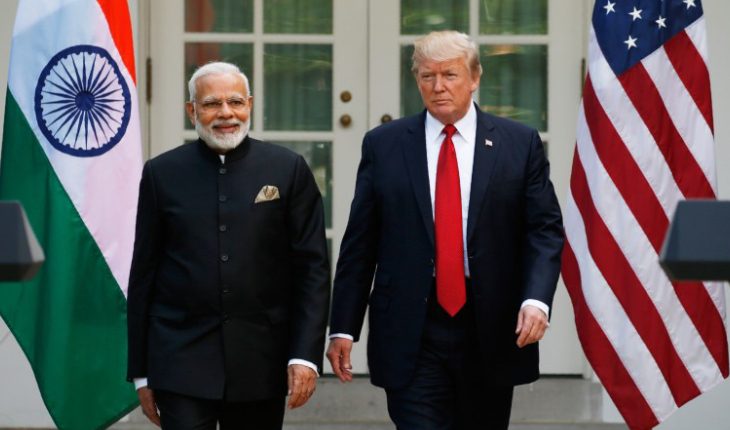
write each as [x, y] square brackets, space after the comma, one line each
[531, 325]
[338, 354]
[302, 382]
[149, 407]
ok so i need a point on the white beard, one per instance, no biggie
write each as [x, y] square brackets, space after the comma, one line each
[226, 141]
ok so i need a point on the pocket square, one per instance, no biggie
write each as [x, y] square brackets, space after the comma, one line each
[267, 194]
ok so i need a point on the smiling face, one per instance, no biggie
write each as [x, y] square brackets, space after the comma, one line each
[221, 110]
[446, 88]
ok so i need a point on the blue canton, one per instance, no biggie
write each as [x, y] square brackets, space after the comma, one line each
[629, 30]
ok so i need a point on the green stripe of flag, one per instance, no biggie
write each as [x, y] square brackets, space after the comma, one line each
[70, 320]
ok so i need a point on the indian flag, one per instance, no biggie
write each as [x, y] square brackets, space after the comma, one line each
[71, 155]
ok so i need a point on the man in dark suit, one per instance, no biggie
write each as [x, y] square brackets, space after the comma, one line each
[456, 218]
[228, 292]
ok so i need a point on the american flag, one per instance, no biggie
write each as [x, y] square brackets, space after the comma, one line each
[644, 142]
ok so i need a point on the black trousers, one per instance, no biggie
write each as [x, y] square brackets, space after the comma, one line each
[450, 390]
[181, 412]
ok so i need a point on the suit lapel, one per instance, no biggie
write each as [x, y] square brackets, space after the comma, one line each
[414, 153]
[485, 155]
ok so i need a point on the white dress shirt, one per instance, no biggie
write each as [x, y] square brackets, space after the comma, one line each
[463, 139]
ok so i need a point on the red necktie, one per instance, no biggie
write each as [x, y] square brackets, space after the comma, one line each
[450, 285]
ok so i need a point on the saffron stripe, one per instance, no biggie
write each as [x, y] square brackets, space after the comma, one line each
[117, 16]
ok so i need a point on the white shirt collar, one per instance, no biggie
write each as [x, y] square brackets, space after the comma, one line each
[466, 126]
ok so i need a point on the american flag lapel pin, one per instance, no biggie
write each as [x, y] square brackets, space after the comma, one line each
[488, 142]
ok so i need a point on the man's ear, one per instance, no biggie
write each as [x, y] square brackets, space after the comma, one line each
[190, 109]
[475, 83]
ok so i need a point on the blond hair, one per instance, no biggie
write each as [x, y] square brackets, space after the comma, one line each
[446, 45]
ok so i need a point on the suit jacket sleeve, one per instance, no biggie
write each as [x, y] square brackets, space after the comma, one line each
[544, 236]
[142, 275]
[308, 249]
[358, 252]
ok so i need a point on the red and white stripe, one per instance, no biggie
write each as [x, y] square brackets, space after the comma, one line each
[644, 142]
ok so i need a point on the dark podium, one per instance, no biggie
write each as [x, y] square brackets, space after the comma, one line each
[697, 245]
[20, 254]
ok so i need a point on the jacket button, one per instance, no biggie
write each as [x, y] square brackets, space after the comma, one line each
[222, 171]
[222, 227]
[224, 258]
[222, 198]
[226, 291]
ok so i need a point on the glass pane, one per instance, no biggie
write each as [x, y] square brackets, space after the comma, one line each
[298, 16]
[513, 17]
[410, 98]
[424, 16]
[298, 87]
[514, 83]
[198, 54]
[228, 16]
[319, 158]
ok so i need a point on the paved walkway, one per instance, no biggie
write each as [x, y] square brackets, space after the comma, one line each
[549, 404]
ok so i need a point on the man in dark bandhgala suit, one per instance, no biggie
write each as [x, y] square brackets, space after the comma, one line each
[228, 292]
[453, 243]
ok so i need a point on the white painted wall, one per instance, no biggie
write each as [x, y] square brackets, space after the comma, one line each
[6, 32]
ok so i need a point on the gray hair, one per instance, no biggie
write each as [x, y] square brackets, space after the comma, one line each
[446, 45]
[215, 69]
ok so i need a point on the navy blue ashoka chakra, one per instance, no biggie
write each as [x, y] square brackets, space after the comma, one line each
[82, 101]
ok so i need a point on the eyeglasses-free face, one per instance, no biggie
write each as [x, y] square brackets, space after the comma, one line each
[446, 88]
